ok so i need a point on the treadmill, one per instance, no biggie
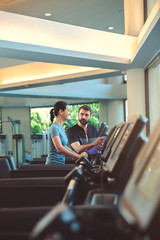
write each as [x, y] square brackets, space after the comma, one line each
[118, 166]
[137, 121]
[136, 217]
[110, 141]
[16, 192]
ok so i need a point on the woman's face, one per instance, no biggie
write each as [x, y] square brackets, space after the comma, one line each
[66, 113]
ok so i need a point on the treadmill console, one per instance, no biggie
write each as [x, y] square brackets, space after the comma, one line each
[125, 141]
[141, 197]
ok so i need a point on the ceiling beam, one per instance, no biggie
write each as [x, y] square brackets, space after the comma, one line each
[33, 39]
[87, 90]
[17, 80]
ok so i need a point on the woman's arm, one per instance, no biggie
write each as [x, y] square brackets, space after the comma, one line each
[65, 150]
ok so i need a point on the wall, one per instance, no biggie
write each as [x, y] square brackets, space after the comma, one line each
[111, 112]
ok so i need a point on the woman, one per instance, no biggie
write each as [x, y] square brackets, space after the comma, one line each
[57, 139]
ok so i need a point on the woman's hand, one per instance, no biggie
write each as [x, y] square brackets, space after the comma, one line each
[84, 154]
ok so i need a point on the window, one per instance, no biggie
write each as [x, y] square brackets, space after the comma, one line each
[40, 117]
[152, 85]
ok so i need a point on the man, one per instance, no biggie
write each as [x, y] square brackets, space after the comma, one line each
[83, 136]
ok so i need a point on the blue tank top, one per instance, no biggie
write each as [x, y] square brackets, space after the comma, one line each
[54, 157]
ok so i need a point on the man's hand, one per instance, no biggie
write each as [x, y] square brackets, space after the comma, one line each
[100, 140]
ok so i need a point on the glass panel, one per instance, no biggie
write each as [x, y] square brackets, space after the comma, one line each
[150, 5]
[154, 91]
[148, 183]
[40, 117]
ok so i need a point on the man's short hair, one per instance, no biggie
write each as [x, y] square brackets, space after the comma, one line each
[85, 107]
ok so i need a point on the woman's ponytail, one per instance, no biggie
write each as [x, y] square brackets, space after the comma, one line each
[52, 115]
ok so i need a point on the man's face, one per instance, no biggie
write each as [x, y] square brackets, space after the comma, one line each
[84, 116]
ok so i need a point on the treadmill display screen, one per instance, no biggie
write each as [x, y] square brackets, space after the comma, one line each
[149, 179]
[116, 133]
[108, 144]
[116, 153]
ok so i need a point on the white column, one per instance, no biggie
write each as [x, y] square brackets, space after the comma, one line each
[133, 16]
[134, 21]
[135, 92]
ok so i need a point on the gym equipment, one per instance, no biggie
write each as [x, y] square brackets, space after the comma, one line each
[38, 145]
[136, 217]
[134, 137]
[103, 130]
[18, 148]
[3, 144]
[41, 170]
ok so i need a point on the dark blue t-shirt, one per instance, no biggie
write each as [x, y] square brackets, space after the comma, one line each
[77, 134]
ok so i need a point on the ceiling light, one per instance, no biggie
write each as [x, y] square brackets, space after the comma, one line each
[110, 28]
[47, 14]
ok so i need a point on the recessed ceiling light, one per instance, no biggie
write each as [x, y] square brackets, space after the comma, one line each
[110, 28]
[47, 14]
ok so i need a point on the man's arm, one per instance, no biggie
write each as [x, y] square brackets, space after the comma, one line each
[81, 148]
